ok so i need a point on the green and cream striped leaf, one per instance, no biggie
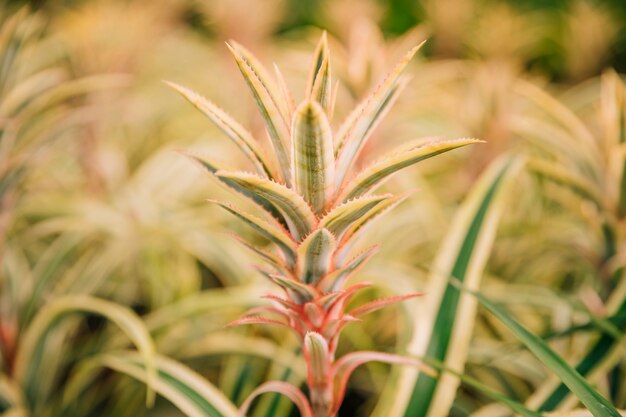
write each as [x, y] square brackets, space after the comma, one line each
[296, 212]
[335, 280]
[592, 399]
[443, 327]
[268, 103]
[237, 133]
[319, 80]
[271, 258]
[212, 167]
[380, 209]
[314, 163]
[302, 292]
[30, 354]
[340, 218]
[376, 173]
[318, 360]
[315, 256]
[515, 406]
[272, 232]
[287, 97]
[184, 388]
[353, 133]
[567, 178]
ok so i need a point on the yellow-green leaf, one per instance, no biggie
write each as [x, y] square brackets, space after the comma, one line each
[314, 164]
[290, 204]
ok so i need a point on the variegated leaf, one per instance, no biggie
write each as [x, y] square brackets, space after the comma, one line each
[299, 291]
[212, 167]
[336, 279]
[268, 103]
[292, 207]
[273, 233]
[254, 319]
[318, 359]
[287, 97]
[284, 388]
[373, 214]
[372, 176]
[314, 164]
[315, 255]
[274, 260]
[339, 219]
[381, 303]
[319, 81]
[237, 133]
[568, 178]
[354, 132]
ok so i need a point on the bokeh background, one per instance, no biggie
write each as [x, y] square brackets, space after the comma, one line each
[96, 198]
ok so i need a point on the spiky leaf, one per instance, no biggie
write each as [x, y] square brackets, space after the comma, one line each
[237, 133]
[335, 280]
[355, 131]
[339, 219]
[299, 291]
[314, 164]
[268, 103]
[212, 167]
[293, 208]
[272, 232]
[373, 175]
[319, 81]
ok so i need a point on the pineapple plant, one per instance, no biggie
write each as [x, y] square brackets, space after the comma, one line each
[313, 208]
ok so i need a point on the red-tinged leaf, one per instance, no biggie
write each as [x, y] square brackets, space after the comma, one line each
[257, 311]
[336, 309]
[255, 320]
[314, 313]
[285, 303]
[344, 367]
[381, 303]
[333, 328]
[284, 388]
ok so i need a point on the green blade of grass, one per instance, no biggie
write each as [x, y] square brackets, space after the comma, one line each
[592, 399]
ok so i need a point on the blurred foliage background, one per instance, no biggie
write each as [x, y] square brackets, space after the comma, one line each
[98, 205]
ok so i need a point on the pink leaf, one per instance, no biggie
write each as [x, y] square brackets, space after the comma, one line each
[344, 367]
[284, 388]
[380, 303]
[255, 320]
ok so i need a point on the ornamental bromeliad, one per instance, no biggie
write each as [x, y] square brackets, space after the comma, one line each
[313, 206]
